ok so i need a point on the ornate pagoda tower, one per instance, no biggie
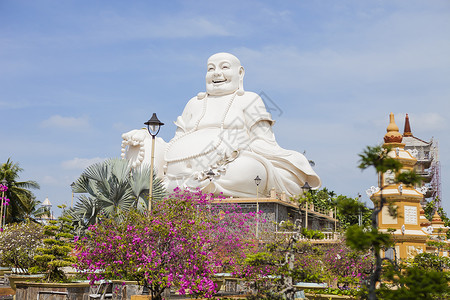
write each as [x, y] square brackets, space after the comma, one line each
[408, 235]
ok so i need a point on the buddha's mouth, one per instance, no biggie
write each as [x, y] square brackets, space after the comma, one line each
[219, 81]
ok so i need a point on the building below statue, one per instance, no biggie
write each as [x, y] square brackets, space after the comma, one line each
[277, 210]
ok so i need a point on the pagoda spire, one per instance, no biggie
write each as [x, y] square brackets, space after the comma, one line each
[393, 135]
[407, 130]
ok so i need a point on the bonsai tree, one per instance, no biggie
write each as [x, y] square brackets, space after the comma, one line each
[18, 245]
[56, 249]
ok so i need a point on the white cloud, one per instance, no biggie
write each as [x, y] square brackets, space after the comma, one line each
[80, 163]
[57, 121]
[112, 27]
[50, 180]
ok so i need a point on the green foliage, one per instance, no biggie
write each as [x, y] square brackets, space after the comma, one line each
[431, 261]
[430, 208]
[360, 239]
[285, 261]
[349, 210]
[322, 199]
[335, 291]
[413, 282]
[22, 200]
[56, 250]
[378, 158]
[111, 189]
[312, 234]
[18, 245]
[408, 178]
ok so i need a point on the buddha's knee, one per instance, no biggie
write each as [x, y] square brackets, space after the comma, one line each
[241, 173]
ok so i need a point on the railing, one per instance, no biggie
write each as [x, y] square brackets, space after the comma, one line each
[326, 212]
[328, 236]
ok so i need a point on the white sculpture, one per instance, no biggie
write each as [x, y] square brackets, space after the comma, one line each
[372, 190]
[226, 130]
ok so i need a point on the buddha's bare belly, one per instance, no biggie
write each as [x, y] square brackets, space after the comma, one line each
[199, 150]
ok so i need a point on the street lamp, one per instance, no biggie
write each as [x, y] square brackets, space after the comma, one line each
[153, 126]
[210, 176]
[72, 185]
[306, 188]
[2, 218]
[360, 212]
[257, 182]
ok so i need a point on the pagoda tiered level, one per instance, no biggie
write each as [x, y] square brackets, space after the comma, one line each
[409, 227]
[428, 165]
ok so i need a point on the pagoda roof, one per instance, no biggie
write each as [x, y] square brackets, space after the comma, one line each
[412, 141]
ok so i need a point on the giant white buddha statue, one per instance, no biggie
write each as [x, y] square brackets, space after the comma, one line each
[226, 130]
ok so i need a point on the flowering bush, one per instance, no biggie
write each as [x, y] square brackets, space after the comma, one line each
[282, 263]
[181, 243]
[345, 266]
[18, 244]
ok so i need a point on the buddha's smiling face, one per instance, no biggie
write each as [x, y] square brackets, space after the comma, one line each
[223, 74]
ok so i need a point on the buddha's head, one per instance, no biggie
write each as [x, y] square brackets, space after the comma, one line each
[224, 74]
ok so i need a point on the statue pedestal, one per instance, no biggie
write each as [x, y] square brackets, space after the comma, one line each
[275, 210]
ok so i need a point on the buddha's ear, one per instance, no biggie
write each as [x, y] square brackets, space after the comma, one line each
[240, 90]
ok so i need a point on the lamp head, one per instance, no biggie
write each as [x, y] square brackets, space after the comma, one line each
[210, 174]
[257, 180]
[153, 125]
[306, 187]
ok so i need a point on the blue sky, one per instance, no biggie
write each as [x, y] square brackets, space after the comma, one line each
[75, 75]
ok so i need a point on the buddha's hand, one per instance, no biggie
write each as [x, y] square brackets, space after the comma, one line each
[134, 140]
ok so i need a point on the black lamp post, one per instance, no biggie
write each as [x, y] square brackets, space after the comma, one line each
[153, 126]
[306, 188]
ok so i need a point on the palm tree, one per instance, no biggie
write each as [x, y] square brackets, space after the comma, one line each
[21, 198]
[112, 188]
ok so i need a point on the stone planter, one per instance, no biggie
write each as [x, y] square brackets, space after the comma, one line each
[4, 270]
[14, 278]
[327, 297]
[123, 290]
[34, 290]
[127, 290]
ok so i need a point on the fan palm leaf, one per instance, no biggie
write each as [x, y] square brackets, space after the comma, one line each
[114, 189]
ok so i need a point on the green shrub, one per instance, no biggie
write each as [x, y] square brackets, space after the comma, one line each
[313, 234]
[54, 254]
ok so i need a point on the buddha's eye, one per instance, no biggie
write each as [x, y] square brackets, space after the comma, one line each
[210, 69]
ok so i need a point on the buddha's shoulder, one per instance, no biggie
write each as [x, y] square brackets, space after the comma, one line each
[249, 97]
[252, 95]
[194, 101]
